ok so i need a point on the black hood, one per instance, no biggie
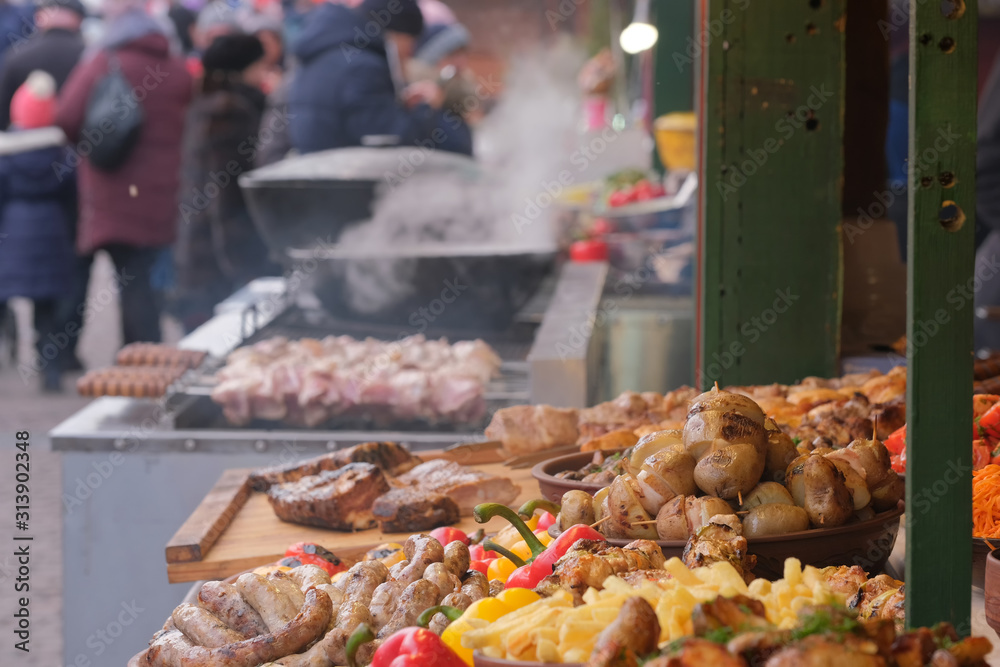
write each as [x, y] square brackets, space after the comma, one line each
[331, 26]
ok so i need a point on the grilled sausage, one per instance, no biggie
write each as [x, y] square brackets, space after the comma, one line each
[439, 622]
[224, 600]
[475, 585]
[273, 606]
[307, 576]
[173, 649]
[288, 586]
[417, 597]
[203, 627]
[446, 582]
[353, 614]
[384, 601]
[456, 558]
[362, 580]
[421, 550]
[327, 652]
[496, 587]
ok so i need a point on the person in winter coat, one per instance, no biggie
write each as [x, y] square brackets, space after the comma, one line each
[218, 248]
[345, 89]
[131, 212]
[36, 213]
[55, 48]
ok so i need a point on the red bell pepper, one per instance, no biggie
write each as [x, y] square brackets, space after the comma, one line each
[481, 565]
[415, 647]
[479, 552]
[523, 577]
[543, 565]
[308, 553]
[543, 560]
[446, 535]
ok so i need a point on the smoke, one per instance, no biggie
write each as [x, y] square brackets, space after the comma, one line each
[521, 146]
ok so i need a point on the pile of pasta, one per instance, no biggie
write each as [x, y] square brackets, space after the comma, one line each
[553, 630]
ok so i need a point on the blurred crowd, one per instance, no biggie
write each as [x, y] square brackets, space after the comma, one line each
[163, 106]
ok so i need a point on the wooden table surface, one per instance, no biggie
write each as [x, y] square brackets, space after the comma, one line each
[238, 533]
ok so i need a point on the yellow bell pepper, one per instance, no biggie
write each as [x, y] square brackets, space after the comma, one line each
[518, 597]
[508, 537]
[521, 550]
[500, 569]
[543, 537]
[483, 612]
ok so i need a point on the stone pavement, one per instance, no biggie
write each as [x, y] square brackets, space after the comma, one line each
[23, 407]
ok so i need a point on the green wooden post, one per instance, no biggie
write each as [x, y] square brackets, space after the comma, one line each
[939, 324]
[771, 122]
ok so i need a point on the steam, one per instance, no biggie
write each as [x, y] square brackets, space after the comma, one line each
[521, 146]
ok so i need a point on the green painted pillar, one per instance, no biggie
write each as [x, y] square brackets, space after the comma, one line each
[675, 57]
[770, 101]
[939, 320]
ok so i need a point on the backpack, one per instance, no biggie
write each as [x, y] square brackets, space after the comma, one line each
[113, 120]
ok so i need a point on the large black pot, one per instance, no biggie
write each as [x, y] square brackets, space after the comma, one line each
[454, 288]
[309, 199]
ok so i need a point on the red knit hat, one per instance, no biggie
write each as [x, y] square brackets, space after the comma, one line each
[34, 103]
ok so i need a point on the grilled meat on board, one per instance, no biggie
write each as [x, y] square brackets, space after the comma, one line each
[413, 509]
[337, 499]
[392, 458]
[466, 486]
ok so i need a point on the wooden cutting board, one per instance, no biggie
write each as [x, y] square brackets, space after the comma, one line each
[234, 529]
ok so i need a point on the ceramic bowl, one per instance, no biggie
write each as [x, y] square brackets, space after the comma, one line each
[992, 590]
[553, 487]
[865, 543]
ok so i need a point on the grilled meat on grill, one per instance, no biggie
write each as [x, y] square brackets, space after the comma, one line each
[337, 499]
[308, 381]
[392, 458]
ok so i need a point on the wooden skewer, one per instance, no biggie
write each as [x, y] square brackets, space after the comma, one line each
[989, 544]
[598, 523]
[643, 523]
[739, 496]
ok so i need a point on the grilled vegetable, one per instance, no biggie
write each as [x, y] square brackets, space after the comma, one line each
[819, 488]
[577, 507]
[774, 519]
[628, 518]
[767, 493]
[653, 443]
[664, 475]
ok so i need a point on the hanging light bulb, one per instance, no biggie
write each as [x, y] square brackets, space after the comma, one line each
[640, 34]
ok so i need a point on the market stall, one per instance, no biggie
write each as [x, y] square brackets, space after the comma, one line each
[775, 511]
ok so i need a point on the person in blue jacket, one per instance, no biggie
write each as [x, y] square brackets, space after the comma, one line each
[36, 246]
[345, 87]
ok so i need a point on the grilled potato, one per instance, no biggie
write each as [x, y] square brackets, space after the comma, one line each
[730, 471]
[721, 415]
[780, 452]
[576, 507]
[860, 494]
[626, 511]
[684, 516]
[664, 475]
[774, 519]
[653, 443]
[766, 493]
[819, 488]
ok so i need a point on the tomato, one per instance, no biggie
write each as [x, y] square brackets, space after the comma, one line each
[447, 534]
[896, 442]
[620, 198]
[980, 454]
[601, 227]
[643, 190]
[545, 521]
[481, 565]
[989, 424]
[658, 190]
[899, 462]
[588, 251]
[478, 552]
